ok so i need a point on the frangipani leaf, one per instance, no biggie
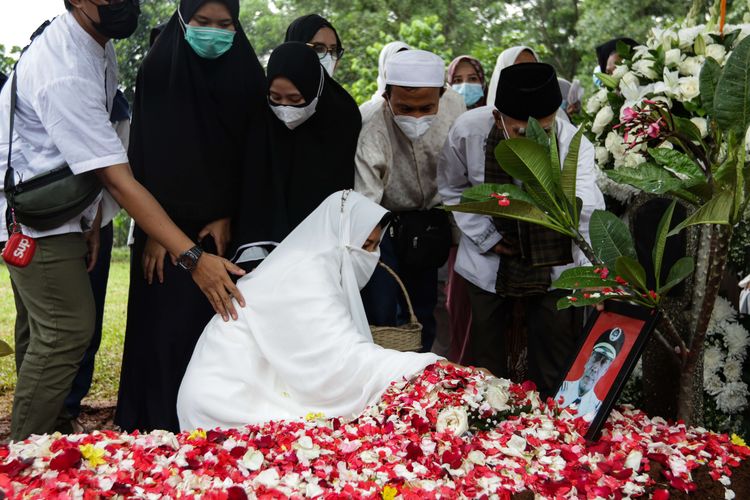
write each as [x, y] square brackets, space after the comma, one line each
[517, 210]
[570, 171]
[662, 230]
[709, 78]
[483, 192]
[732, 96]
[717, 210]
[631, 271]
[680, 271]
[677, 162]
[610, 237]
[584, 277]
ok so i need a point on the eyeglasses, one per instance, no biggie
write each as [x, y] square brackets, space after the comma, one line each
[320, 49]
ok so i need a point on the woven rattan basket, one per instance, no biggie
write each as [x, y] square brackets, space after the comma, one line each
[406, 337]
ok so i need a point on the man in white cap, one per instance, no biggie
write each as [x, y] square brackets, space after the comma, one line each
[507, 263]
[581, 392]
[396, 166]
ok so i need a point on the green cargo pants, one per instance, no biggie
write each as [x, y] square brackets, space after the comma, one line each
[54, 325]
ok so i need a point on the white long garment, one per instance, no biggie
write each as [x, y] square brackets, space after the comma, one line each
[302, 343]
[462, 165]
[66, 85]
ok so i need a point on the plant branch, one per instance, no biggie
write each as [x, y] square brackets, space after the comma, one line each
[669, 327]
[663, 341]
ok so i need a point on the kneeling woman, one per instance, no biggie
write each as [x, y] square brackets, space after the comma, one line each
[302, 344]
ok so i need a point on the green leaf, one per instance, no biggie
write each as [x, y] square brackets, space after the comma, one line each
[517, 210]
[527, 161]
[554, 154]
[5, 349]
[583, 277]
[677, 162]
[717, 210]
[580, 301]
[732, 97]
[482, 192]
[607, 80]
[536, 133]
[649, 178]
[679, 272]
[610, 237]
[570, 170]
[662, 231]
[631, 271]
[709, 78]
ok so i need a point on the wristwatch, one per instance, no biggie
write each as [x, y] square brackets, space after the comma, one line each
[189, 260]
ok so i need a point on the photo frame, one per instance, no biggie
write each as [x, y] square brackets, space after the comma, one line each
[610, 346]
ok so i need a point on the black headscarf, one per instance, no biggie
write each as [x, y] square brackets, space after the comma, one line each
[316, 158]
[303, 29]
[191, 121]
[606, 49]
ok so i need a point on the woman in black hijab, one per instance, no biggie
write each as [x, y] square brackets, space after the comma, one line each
[314, 131]
[199, 93]
[321, 36]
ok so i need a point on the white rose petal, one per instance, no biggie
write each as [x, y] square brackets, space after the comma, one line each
[498, 395]
[477, 457]
[454, 420]
[268, 478]
[702, 125]
[602, 155]
[515, 447]
[603, 118]
[634, 460]
[252, 460]
[691, 66]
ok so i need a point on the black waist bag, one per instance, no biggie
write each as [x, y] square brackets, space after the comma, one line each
[422, 238]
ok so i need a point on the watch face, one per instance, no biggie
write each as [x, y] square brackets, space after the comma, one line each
[189, 259]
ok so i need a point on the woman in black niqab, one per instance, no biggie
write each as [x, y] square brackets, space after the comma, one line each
[192, 118]
[316, 158]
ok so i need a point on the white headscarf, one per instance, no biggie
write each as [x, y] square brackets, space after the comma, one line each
[506, 58]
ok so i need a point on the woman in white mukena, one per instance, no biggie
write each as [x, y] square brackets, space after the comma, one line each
[302, 343]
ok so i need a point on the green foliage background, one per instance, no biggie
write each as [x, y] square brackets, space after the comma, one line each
[564, 32]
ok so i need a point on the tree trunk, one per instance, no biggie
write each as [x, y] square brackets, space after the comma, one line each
[712, 259]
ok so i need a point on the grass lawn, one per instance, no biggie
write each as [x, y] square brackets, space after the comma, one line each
[107, 371]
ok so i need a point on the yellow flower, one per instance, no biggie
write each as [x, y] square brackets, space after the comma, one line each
[197, 434]
[93, 455]
[310, 417]
[738, 440]
[389, 493]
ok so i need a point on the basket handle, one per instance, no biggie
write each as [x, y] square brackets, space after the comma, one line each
[412, 316]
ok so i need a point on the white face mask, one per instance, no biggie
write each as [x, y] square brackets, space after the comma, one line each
[329, 64]
[364, 264]
[294, 116]
[412, 127]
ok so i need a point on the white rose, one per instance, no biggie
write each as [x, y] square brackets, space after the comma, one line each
[603, 118]
[632, 159]
[454, 420]
[596, 102]
[687, 36]
[645, 67]
[602, 155]
[690, 87]
[615, 145]
[672, 57]
[497, 396]
[691, 66]
[716, 51]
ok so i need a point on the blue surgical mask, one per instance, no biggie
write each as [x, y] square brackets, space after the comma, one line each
[208, 43]
[472, 92]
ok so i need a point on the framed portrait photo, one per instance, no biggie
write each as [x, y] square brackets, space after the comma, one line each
[610, 346]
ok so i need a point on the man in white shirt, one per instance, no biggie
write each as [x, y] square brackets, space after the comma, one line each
[489, 254]
[396, 164]
[66, 81]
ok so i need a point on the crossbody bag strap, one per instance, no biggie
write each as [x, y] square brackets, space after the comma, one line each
[10, 180]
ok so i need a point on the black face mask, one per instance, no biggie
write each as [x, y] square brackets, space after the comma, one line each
[118, 20]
